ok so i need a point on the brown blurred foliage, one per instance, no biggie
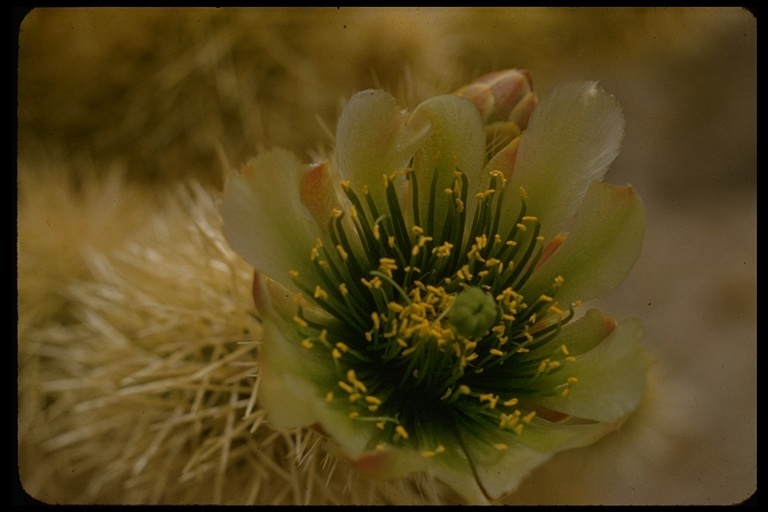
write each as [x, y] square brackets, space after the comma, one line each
[161, 89]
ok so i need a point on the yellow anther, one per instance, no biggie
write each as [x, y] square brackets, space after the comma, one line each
[559, 281]
[572, 380]
[342, 346]
[565, 392]
[388, 263]
[373, 408]
[530, 218]
[336, 213]
[402, 342]
[380, 425]
[394, 306]
[293, 273]
[353, 415]
[408, 351]
[440, 449]
[542, 366]
[342, 253]
[345, 184]
[351, 377]
[346, 387]
[464, 389]
[491, 399]
[576, 303]
[307, 343]
[518, 428]
[447, 393]
[553, 365]
[428, 453]
[570, 359]
[484, 194]
[529, 417]
[521, 226]
[556, 310]
[509, 420]
[376, 320]
[343, 289]
[417, 230]
[323, 335]
[329, 396]
[401, 431]
[380, 447]
[496, 352]
[444, 250]
[564, 349]
[300, 321]
[376, 232]
[372, 400]
[523, 350]
[472, 357]
[500, 446]
[335, 353]
[320, 293]
[415, 250]
[448, 191]
[490, 262]
[523, 193]
[511, 402]
[354, 397]
[391, 241]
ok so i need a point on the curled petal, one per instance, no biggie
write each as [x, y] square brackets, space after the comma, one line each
[572, 138]
[600, 251]
[268, 189]
[374, 137]
[318, 192]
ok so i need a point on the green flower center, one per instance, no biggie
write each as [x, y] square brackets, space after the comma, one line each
[429, 338]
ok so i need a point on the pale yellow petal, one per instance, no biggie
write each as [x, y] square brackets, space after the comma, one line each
[572, 137]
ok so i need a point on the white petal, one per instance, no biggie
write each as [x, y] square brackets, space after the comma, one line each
[374, 137]
[599, 253]
[457, 141]
[572, 138]
[264, 219]
[611, 378]
[285, 391]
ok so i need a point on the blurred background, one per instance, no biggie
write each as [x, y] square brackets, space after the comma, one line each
[163, 96]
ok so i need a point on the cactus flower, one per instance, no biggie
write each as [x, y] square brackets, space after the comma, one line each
[420, 293]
